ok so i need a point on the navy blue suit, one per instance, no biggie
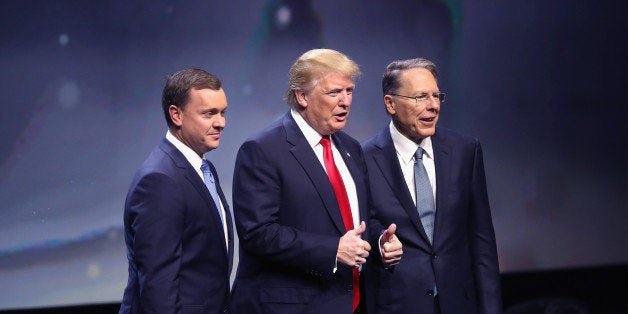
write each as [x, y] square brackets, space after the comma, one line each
[462, 262]
[289, 224]
[178, 258]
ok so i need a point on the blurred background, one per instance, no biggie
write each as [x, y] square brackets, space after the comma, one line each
[542, 84]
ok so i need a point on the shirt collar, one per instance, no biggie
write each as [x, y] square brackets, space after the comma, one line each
[406, 147]
[187, 152]
[313, 138]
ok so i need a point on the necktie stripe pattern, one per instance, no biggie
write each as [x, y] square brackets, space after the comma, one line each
[211, 186]
[343, 202]
[424, 197]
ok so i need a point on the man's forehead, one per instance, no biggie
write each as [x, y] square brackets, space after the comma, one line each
[336, 80]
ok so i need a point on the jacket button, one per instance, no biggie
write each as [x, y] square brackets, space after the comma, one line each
[434, 256]
[349, 288]
[430, 292]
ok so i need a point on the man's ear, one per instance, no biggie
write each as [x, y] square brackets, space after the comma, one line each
[390, 104]
[301, 98]
[175, 115]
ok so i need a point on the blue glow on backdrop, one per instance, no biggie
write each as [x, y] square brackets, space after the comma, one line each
[541, 83]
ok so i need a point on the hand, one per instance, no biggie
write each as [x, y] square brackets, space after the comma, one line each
[352, 250]
[390, 246]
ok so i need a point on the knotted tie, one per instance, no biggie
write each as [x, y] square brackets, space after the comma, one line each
[424, 197]
[343, 203]
[211, 186]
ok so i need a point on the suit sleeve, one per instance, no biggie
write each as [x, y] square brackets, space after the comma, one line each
[157, 224]
[258, 187]
[376, 228]
[374, 225]
[483, 246]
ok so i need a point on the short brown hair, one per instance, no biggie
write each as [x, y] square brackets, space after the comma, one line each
[177, 89]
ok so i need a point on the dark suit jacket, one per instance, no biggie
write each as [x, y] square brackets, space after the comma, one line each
[462, 262]
[289, 224]
[178, 261]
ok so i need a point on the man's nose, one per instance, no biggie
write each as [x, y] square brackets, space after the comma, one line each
[220, 121]
[433, 103]
[344, 98]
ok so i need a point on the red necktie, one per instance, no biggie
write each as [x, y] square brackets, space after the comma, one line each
[343, 203]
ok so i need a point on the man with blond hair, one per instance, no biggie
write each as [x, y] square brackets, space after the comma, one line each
[300, 200]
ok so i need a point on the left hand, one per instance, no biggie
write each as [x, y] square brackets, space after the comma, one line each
[391, 247]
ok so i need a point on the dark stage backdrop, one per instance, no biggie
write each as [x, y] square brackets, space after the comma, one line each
[541, 83]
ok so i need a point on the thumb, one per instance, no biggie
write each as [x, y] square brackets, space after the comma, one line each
[360, 229]
[389, 233]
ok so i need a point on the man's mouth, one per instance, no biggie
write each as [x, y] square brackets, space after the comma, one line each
[428, 120]
[341, 116]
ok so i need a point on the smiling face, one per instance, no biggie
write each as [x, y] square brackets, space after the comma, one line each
[201, 122]
[414, 120]
[326, 106]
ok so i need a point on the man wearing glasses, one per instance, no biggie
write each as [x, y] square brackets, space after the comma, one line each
[430, 182]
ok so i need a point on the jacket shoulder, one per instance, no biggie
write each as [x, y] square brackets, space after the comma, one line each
[376, 142]
[446, 135]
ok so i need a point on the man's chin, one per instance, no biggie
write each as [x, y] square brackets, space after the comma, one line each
[339, 126]
[420, 134]
[213, 145]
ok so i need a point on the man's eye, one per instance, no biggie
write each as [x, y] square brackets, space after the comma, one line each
[423, 97]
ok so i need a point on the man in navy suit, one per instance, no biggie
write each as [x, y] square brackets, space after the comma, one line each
[179, 234]
[301, 232]
[450, 263]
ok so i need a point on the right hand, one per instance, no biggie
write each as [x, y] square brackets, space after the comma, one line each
[352, 250]
[390, 247]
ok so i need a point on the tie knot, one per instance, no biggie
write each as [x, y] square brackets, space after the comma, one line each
[205, 166]
[418, 154]
[325, 141]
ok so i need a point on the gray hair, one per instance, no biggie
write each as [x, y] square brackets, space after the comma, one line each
[390, 79]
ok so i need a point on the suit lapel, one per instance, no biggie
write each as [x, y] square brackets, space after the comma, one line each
[188, 172]
[195, 180]
[228, 219]
[442, 164]
[304, 154]
[388, 162]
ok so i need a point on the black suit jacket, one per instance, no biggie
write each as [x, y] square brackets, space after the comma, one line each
[462, 262]
[178, 258]
[289, 224]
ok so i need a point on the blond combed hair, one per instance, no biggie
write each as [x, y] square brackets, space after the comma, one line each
[313, 65]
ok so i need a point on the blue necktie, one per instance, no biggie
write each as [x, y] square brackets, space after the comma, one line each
[211, 186]
[424, 197]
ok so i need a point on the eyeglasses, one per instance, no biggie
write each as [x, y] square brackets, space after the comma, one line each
[423, 98]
